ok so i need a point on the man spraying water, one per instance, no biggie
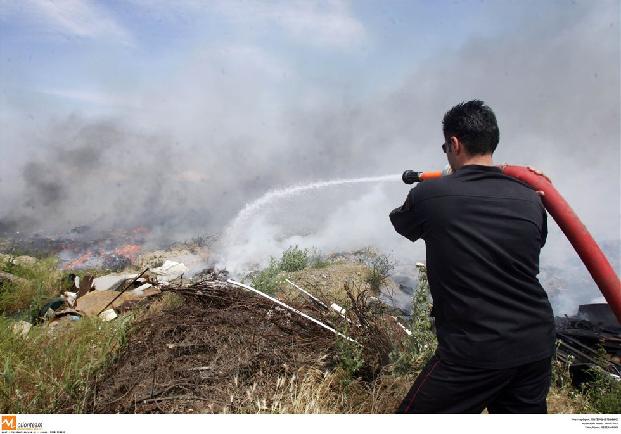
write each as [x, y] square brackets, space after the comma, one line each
[483, 232]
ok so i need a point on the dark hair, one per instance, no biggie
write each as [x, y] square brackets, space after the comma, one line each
[474, 124]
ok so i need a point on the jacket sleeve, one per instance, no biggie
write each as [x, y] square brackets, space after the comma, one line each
[407, 219]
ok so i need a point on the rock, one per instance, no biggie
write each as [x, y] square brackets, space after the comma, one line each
[21, 328]
[18, 260]
[48, 315]
[8, 277]
[108, 315]
[24, 260]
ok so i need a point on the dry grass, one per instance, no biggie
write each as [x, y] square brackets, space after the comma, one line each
[314, 391]
[567, 401]
[325, 283]
[167, 301]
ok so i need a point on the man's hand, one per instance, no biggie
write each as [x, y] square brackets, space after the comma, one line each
[539, 172]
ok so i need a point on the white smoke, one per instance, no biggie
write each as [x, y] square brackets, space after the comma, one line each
[183, 148]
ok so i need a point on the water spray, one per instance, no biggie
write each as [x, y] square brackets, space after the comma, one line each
[272, 196]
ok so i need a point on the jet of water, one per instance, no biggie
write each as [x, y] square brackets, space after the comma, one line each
[241, 220]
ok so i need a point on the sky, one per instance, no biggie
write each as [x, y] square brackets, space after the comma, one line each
[175, 115]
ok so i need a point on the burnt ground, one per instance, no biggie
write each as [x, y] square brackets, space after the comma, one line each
[214, 351]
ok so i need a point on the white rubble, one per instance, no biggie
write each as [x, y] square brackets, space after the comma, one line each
[169, 271]
[195, 259]
[70, 297]
[140, 289]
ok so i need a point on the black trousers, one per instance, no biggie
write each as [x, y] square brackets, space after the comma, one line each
[444, 387]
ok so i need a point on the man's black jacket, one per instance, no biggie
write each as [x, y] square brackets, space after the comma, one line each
[483, 233]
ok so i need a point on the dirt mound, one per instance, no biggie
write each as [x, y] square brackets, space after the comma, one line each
[212, 352]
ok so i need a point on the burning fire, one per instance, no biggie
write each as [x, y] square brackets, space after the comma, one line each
[107, 253]
[130, 251]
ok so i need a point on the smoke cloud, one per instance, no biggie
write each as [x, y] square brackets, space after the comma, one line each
[185, 153]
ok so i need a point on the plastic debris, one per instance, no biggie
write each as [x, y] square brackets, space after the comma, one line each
[340, 310]
[51, 305]
[406, 330]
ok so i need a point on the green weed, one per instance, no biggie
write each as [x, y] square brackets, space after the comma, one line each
[52, 367]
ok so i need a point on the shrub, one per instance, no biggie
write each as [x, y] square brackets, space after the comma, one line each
[420, 346]
[380, 267]
[294, 259]
[603, 391]
[268, 279]
[350, 358]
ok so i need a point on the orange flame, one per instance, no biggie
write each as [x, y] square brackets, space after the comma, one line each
[80, 260]
[129, 251]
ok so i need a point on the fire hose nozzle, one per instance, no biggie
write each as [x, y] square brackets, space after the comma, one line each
[410, 177]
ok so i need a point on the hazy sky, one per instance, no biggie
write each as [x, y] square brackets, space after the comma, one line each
[176, 114]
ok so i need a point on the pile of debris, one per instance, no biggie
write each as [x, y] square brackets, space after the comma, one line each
[591, 339]
[105, 296]
[218, 350]
[226, 347]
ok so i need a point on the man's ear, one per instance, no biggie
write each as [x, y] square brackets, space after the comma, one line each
[456, 145]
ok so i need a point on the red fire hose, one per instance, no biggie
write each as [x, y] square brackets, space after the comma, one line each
[592, 256]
